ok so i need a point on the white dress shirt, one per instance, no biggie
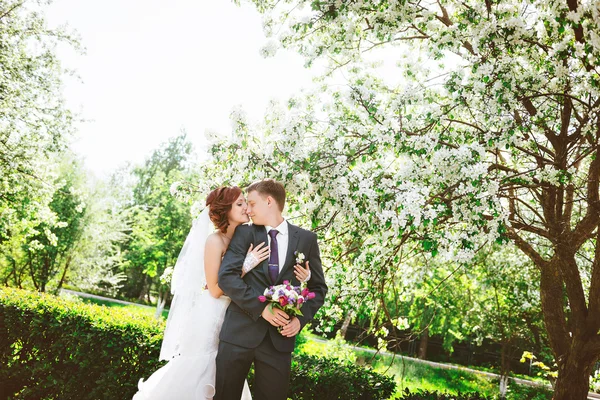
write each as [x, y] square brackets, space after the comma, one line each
[282, 241]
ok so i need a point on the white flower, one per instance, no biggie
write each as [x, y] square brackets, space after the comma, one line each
[269, 49]
[167, 275]
[212, 136]
[174, 189]
[402, 323]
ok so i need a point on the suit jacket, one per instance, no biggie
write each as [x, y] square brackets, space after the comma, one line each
[243, 324]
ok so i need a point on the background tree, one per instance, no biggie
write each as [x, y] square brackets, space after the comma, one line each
[159, 221]
[50, 251]
[34, 122]
[35, 127]
[507, 310]
[98, 261]
[493, 300]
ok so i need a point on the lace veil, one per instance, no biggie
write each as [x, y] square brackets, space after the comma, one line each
[187, 284]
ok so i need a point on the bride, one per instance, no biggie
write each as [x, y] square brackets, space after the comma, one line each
[191, 338]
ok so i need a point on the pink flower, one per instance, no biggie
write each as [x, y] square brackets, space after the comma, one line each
[311, 295]
[300, 300]
[283, 301]
[304, 292]
[262, 299]
[286, 282]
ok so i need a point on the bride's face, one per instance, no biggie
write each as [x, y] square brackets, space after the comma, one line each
[237, 214]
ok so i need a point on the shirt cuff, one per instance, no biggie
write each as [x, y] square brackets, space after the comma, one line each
[307, 278]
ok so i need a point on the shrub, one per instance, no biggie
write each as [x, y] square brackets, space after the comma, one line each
[427, 395]
[327, 378]
[524, 392]
[51, 348]
[301, 338]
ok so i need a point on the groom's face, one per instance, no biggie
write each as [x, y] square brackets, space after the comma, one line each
[258, 207]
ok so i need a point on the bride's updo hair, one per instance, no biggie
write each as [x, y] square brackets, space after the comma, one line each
[220, 201]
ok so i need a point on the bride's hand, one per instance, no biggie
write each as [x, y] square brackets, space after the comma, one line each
[302, 274]
[254, 257]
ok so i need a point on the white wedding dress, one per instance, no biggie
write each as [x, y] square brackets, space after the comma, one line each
[191, 338]
[191, 375]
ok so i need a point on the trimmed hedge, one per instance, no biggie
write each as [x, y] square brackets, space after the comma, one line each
[51, 348]
[327, 378]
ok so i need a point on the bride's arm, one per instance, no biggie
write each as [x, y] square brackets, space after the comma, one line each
[212, 261]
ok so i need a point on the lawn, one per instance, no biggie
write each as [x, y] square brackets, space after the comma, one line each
[140, 309]
[418, 376]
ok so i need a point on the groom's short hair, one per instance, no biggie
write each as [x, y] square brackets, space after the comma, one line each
[270, 187]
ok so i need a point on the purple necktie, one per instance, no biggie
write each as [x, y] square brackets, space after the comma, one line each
[274, 257]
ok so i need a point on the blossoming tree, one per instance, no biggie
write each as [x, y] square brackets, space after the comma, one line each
[34, 122]
[491, 134]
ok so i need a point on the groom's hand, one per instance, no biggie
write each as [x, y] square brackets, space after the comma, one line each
[292, 328]
[275, 316]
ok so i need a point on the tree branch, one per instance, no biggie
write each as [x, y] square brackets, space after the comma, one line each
[531, 229]
[10, 10]
[526, 248]
[565, 259]
[445, 19]
[590, 221]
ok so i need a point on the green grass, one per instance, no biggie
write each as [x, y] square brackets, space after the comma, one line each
[138, 309]
[414, 375]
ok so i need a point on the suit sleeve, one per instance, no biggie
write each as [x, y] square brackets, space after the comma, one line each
[230, 274]
[316, 283]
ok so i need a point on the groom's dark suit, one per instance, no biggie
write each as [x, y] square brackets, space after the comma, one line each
[245, 336]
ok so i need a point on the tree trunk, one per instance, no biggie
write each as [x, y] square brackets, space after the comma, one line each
[45, 275]
[574, 341]
[64, 274]
[504, 370]
[345, 325]
[573, 379]
[13, 272]
[19, 273]
[145, 288]
[160, 304]
[423, 344]
[32, 274]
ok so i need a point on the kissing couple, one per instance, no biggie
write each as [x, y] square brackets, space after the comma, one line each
[217, 326]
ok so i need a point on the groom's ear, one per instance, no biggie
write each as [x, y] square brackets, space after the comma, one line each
[271, 200]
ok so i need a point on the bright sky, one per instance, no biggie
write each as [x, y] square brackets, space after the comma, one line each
[153, 67]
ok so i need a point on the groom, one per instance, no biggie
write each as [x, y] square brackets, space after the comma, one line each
[249, 333]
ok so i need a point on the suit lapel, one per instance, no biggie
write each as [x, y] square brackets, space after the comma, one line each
[290, 259]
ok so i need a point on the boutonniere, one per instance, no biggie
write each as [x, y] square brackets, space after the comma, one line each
[299, 257]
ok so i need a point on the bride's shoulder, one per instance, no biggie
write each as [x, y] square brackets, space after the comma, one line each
[215, 241]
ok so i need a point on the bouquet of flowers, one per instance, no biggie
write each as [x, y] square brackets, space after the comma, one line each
[287, 297]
